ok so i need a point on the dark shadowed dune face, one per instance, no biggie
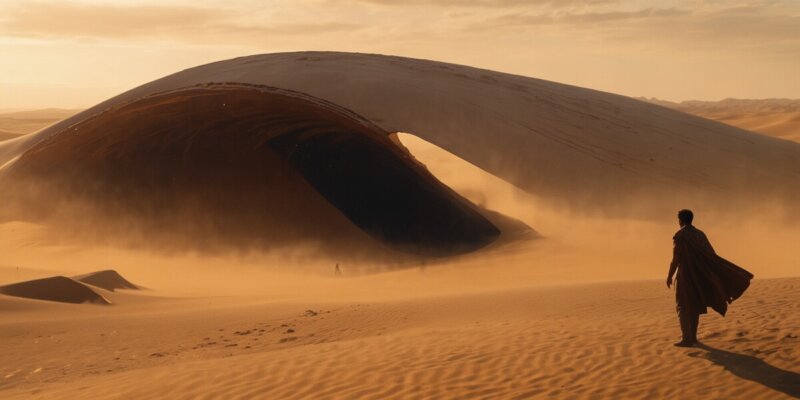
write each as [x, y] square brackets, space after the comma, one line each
[56, 288]
[246, 166]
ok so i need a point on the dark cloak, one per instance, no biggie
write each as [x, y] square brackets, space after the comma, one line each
[705, 279]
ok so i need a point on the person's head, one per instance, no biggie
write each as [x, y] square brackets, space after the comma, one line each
[685, 217]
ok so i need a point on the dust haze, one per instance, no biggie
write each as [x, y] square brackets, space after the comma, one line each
[221, 289]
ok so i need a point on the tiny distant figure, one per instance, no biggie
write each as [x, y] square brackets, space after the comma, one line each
[337, 271]
[704, 279]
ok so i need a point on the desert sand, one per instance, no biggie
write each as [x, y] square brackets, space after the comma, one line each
[18, 123]
[567, 301]
[564, 341]
[774, 117]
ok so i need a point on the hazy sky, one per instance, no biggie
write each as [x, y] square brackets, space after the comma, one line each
[77, 53]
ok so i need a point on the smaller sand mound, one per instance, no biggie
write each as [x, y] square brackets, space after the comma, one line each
[56, 288]
[107, 279]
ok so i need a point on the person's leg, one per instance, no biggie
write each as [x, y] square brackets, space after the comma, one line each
[686, 328]
[695, 322]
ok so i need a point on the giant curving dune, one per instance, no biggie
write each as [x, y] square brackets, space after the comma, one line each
[246, 161]
[297, 143]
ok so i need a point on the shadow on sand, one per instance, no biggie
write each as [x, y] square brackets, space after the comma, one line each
[753, 369]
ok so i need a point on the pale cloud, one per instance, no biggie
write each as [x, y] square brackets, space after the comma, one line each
[774, 25]
[517, 20]
[762, 28]
[181, 23]
[676, 49]
[477, 3]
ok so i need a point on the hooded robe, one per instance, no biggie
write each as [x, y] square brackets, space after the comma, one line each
[705, 279]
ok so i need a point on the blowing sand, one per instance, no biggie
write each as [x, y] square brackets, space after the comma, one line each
[579, 313]
[579, 310]
[571, 315]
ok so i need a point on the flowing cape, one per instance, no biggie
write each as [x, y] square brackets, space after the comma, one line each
[705, 279]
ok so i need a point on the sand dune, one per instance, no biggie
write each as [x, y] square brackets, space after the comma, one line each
[261, 155]
[198, 143]
[292, 174]
[774, 117]
[609, 340]
[107, 279]
[57, 288]
[572, 145]
[45, 114]
[24, 122]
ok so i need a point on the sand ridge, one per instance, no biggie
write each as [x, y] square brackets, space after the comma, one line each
[56, 288]
[85, 288]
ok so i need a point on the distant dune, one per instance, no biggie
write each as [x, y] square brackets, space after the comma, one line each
[278, 149]
[5, 135]
[775, 117]
[41, 114]
[24, 122]
[108, 279]
[57, 288]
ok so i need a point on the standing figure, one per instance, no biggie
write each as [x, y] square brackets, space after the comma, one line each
[704, 279]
